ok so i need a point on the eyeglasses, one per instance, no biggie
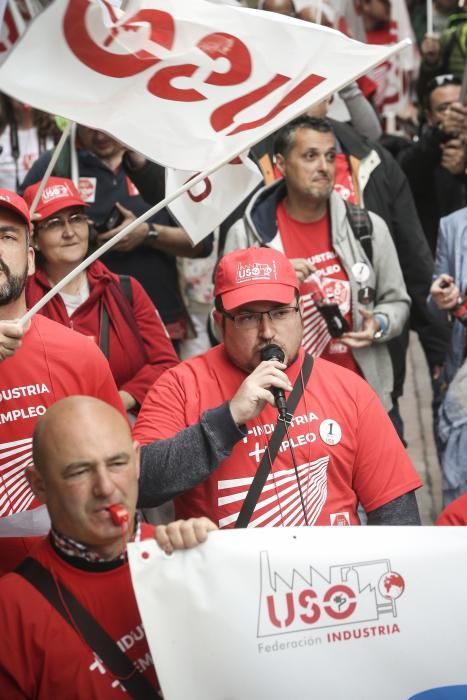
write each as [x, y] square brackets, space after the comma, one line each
[58, 223]
[247, 320]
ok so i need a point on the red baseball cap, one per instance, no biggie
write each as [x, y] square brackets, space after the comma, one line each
[255, 274]
[59, 193]
[11, 200]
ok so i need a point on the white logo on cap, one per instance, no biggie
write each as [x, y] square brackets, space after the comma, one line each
[255, 271]
[55, 192]
[5, 198]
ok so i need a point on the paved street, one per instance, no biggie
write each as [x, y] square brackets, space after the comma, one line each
[416, 412]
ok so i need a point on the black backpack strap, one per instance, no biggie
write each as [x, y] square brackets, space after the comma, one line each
[265, 466]
[362, 227]
[125, 283]
[136, 685]
[104, 331]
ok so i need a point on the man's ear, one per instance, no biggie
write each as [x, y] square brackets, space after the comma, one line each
[36, 483]
[280, 163]
[137, 450]
[428, 117]
[31, 261]
[216, 324]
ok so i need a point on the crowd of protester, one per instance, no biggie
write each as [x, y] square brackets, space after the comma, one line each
[362, 214]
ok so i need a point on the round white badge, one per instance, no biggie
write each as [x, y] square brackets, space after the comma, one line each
[330, 431]
[361, 271]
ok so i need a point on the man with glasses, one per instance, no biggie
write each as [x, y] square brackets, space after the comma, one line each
[435, 164]
[340, 448]
[339, 252]
[40, 364]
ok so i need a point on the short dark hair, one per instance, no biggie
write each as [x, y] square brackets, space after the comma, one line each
[437, 82]
[285, 137]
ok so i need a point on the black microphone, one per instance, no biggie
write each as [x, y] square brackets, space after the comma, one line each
[274, 352]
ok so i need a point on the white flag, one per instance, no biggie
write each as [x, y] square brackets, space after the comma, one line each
[206, 206]
[334, 613]
[186, 82]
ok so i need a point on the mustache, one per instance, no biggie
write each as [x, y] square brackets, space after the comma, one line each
[5, 269]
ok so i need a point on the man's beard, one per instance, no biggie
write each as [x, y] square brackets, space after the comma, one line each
[319, 194]
[13, 287]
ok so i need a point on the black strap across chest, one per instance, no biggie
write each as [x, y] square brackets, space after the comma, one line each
[136, 685]
[275, 442]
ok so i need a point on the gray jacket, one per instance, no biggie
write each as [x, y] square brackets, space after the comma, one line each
[451, 258]
[259, 227]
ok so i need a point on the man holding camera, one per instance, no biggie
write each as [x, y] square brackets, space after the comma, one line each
[344, 258]
[435, 165]
[334, 447]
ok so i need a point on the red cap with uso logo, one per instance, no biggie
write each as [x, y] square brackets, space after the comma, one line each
[59, 193]
[11, 200]
[255, 274]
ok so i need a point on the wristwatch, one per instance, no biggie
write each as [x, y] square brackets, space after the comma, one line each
[383, 326]
[152, 231]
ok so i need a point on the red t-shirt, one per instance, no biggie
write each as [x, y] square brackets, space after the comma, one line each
[455, 513]
[52, 362]
[345, 446]
[47, 659]
[313, 242]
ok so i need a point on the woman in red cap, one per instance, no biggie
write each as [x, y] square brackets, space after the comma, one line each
[116, 313]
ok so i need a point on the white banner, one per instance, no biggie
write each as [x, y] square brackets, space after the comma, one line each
[186, 82]
[328, 613]
[206, 206]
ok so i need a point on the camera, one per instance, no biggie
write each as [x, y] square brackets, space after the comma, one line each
[114, 219]
[329, 310]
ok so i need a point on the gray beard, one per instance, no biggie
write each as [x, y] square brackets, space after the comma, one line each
[13, 287]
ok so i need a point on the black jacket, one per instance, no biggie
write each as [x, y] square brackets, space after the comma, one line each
[436, 191]
[388, 194]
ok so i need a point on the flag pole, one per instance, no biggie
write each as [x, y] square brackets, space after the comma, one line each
[319, 12]
[55, 155]
[18, 20]
[429, 17]
[165, 202]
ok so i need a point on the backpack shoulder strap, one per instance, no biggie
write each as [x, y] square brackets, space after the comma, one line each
[125, 283]
[362, 227]
[127, 289]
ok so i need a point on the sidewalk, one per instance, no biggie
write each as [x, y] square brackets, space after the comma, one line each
[415, 407]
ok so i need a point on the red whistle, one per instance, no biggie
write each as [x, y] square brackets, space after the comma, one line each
[118, 513]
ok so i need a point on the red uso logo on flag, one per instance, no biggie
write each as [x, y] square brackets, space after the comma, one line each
[361, 592]
[93, 44]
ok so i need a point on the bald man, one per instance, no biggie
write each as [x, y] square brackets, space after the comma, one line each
[85, 464]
